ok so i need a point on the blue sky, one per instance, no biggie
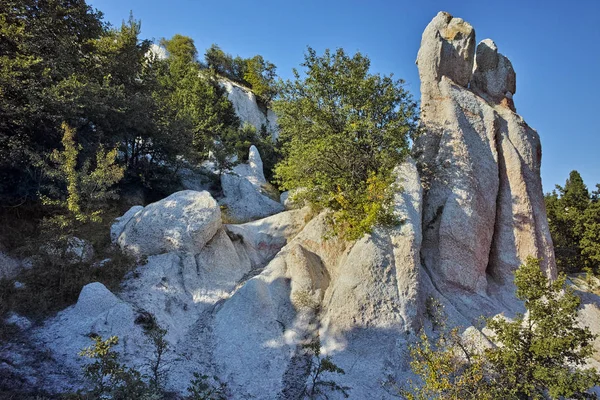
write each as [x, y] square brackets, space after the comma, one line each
[554, 47]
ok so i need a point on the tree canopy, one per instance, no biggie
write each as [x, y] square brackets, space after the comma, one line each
[343, 131]
[574, 219]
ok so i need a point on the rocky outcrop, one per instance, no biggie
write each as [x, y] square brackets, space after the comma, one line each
[184, 221]
[483, 207]
[246, 191]
[248, 110]
[240, 300]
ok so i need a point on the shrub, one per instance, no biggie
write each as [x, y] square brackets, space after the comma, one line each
[343, 131]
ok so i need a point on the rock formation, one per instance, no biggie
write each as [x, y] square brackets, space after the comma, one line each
[240, 300]
[245, 191]
[247, 108]
[483, 211]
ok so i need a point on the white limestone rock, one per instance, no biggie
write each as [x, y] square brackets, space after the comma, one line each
[247, 109]
[259, 329]
[19, 321]
[493, 74]
[245, 191]
[97, 312]
[483, 208]
[177, 287]
[119, 223]
[9, 267]
[262, 239]
[447, 49]
[95, 299]
[185, 221]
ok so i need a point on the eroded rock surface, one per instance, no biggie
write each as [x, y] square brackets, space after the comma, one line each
[240, 300]
[185, 221]
[246, 191]
[483, 206]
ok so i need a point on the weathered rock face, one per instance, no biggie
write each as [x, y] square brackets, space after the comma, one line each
[184, 221]
[240, 300]
[247, 109]
[245, 191]
[493, 74]
[483, 209]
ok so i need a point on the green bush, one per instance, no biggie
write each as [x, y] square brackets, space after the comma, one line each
[538, 355]
[343, 131]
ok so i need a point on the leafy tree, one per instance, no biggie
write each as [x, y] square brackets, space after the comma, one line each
[203, 112]
[318, 366]
[202, 388]
[543, 352]
[343, 131]
[449, 369]
[260, 74]
[157, 364]
[43, 44]
[539, 355]
[590, 240]
[87, 189]
[110, 378]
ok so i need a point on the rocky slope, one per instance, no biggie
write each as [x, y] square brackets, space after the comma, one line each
[240, 300]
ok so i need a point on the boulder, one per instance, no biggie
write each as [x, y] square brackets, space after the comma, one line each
[262, 239]
[94, 299]
[19, 321]
[185, 221]
[119, 223]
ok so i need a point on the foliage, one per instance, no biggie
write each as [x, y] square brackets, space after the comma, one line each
[87, 190]
[203, 114]
[543, 352]
[254, 72]
[566, 207]
[448, 368]
[157, 365]
[343, 130]
[260, 75]
[590, 239]
[43, 46]
[538, 355]
[110, 378]
[202, 388]
[318, 366]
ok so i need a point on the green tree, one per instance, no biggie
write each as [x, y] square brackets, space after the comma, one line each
[318, 366]
[42, 44]
[542, 353]
[110, 378]
[87, 189]
[448, 368]
[572, 213]
[343, 131]
[203, 113]
[590, 240]
[260, 74]
[538, 355]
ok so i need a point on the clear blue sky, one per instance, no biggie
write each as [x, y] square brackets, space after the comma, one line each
[554, 47]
